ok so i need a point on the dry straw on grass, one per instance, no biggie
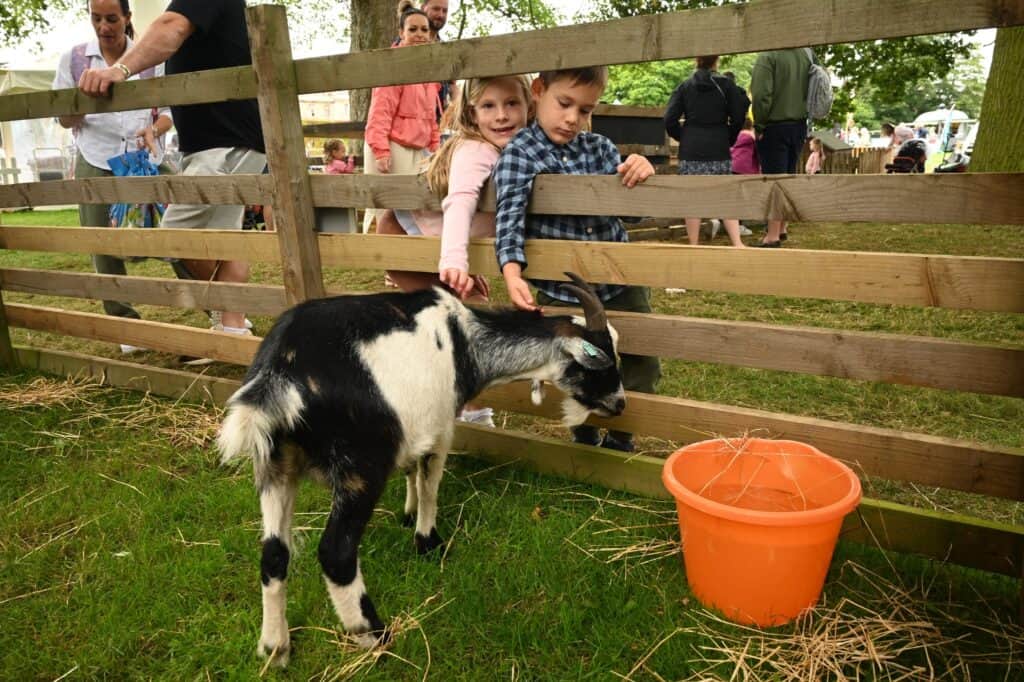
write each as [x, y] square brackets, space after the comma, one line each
[183, 425]
[358, 661]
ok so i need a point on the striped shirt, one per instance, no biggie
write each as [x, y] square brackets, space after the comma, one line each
[531, 153]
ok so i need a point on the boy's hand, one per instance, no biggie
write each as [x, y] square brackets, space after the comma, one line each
[635, 169]
[518, 289]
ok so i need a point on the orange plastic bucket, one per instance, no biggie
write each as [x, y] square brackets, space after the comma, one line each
[759, 521]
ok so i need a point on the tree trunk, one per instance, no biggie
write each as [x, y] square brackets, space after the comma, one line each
[1000, 144]
[374, 25]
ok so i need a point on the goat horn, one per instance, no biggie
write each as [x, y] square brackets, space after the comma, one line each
[593, 309]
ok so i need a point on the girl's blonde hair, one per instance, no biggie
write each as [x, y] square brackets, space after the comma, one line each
[459, 116]
[330, 147]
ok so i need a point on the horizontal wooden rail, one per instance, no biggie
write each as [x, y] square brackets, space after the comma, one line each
[990, 284]
[914, 360]
[125, 243]
[886, 453]
[201, 295]
[961, 540]
[166, 189]
[170, 338]
[982, 198]
[733, 29]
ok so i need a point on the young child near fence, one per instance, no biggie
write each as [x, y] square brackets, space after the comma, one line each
[487, 113]
[816, 159]
[556, 143]
[335, 162]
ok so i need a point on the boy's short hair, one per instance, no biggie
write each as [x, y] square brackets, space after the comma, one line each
[589, 75]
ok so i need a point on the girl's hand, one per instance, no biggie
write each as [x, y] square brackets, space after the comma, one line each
[459, 281]
[482, 285]
[384, 165]
[635, 169]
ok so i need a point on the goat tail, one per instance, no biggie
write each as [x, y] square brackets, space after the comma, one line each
[259, 410]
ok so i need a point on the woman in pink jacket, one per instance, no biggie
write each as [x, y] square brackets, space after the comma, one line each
[401, 126]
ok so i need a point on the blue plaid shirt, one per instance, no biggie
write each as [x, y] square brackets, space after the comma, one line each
[528, 154]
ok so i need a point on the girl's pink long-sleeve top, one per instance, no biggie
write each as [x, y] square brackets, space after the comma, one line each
[406, 114]
[459, 220]
[337, 166]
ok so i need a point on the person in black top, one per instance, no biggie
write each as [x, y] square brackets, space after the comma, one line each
[712, 109]
[217, 138]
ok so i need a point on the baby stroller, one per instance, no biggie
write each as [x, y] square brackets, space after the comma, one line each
[910, 158]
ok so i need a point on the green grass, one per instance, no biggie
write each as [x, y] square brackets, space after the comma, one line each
[127, 554]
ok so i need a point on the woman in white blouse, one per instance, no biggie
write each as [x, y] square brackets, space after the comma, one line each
[99, 137]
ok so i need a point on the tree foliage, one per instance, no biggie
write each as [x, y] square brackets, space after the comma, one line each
[19, 19]
[890, 72]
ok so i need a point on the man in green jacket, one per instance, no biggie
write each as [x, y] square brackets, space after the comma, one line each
[779, 87]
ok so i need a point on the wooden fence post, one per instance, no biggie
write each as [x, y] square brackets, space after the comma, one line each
[286, 152]
[6, 349]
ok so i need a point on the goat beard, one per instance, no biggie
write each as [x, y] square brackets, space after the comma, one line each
[573, 414]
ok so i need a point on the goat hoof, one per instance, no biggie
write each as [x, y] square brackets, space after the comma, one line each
[372, 639]
[279, 654]
[408, 520]
[425, 544]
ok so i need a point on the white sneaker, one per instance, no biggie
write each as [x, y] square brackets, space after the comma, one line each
[215, 319]
[745, 231]
[716, 225]
[483, 417]
[127, 349]
[231, 330]
[672, 290]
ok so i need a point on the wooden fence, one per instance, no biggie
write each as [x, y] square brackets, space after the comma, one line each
[986, 284]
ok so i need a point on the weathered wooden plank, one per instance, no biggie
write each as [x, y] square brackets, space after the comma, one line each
[7, 357]
[731, 29]
[170, 338]
[166, 189]
[630, 111]
[886, 453]
[992, 284]
[971, 198]
[913, 360]
[962, 540]
[286, 154]
[253, 298]
[213, 85]
[164, 382]
[350, 130]
[125, 243]
[980, 198]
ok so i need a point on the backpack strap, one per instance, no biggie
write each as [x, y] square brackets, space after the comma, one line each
[79, 61]
[810, 54]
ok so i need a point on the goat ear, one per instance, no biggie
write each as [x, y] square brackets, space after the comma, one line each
[586, 353]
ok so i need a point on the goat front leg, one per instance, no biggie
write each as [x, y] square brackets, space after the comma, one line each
[277, 502]
[411, 498]
[431, 468]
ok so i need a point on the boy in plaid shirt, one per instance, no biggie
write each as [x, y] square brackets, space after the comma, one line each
[556, 143]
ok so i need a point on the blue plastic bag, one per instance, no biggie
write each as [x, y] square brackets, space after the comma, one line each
[135, 164]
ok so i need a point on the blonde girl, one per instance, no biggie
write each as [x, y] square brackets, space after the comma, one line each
[816, 159]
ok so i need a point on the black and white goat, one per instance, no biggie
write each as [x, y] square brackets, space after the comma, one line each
[347, 389]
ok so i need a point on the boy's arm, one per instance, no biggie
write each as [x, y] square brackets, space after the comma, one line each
[513, 179]
[634, 170]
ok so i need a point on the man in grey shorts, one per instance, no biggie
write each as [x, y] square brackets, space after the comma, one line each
[218, 138]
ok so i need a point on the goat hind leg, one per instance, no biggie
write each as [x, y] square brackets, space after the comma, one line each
[339, 559]
[277, 502]
[411, 498]
[431, 468]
